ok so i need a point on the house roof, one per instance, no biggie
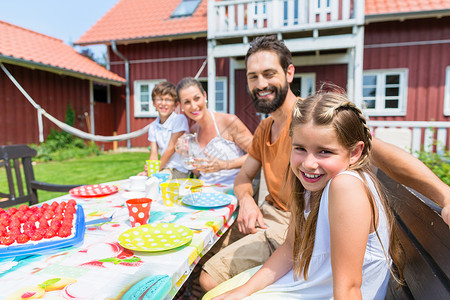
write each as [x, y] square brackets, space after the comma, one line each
[138, 20]
[28, 48]
[384, 7]
[145, 19]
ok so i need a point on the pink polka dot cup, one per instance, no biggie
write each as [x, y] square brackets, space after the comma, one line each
[139, 211]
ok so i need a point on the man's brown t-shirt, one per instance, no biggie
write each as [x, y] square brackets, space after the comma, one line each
[274, 158]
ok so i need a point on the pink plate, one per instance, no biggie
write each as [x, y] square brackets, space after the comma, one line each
[95, 190]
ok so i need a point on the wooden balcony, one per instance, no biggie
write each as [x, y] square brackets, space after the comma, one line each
[243, 18]
[322, 32]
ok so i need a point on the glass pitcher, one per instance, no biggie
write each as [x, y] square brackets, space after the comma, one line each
[190, 149]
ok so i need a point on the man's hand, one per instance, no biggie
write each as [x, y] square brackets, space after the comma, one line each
[249, 215]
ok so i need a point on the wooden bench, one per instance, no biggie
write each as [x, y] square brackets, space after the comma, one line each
[425, 238]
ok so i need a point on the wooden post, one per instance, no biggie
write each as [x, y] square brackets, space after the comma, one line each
[115, 142]
[88, 122]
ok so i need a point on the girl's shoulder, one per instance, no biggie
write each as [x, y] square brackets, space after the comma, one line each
[345, 178]
[347, 182]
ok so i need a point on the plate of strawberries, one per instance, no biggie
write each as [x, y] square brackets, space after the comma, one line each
[39, 229]
[94, 190]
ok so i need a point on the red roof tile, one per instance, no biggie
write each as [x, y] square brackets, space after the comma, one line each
[140, 19]
[30, 47]
[147, 19]
[376, 7]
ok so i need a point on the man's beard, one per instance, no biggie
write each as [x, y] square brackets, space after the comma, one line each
[267, 107]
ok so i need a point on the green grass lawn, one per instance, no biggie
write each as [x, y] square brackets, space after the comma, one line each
[89, 170]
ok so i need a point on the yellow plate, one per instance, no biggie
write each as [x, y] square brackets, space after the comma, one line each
[155, 237]
[192, 182]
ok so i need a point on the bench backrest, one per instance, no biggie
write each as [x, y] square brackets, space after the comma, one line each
[425, 238]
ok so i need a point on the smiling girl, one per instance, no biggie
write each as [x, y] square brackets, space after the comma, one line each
[223, 137]
[340, 240]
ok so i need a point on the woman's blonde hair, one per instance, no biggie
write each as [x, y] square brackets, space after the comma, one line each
[333, 109]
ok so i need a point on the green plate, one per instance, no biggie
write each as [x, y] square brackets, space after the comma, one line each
[155, 237]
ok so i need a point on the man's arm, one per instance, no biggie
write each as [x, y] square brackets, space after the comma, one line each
[408, 170]
[249, 213]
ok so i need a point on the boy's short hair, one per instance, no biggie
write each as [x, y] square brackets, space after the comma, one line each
[165, 88]
[271, 43]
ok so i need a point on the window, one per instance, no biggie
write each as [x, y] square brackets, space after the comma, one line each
[304, 84]
[384, 92]
[185, 8]
[101, 93]
[221, 93]
[143, 105]
[447, 92]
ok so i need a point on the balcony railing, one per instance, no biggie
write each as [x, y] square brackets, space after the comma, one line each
[258, 17]
[414, 136]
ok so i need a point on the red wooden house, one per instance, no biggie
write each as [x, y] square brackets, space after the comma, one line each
[391, 56]
[54, 75]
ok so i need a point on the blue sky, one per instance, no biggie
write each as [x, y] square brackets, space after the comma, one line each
[67, 20]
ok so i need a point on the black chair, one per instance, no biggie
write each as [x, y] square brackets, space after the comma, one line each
[16, 159]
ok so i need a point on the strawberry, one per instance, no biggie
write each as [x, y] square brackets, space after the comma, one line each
[29, 225]
[23, 208]
[66, 223]
[11, 211]
[70, 210]
[64, 232]
[41, 231]
[33, 218]
[56, 223]
[3, 230]
[72, 203]
[50, 233]
[58, 216]
[4, 221]
[6, 240]
[22, 238]
[14, 223]
[37, 236]
[55, 227]
[48, 214]
[54, 205]
[59, 210]
[29, 232]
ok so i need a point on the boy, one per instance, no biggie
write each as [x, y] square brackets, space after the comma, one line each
[165, 131]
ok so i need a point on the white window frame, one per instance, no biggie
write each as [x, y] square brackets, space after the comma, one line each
[152, 113]
[447, 92]
[224, 80]
[305, 77]
[380, 93]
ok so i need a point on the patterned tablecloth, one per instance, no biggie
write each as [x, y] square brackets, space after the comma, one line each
[100, 268]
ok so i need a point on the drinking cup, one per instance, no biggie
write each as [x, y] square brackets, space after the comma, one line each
[139, 211]
[152, 167]
[170, 193]
[137, 183]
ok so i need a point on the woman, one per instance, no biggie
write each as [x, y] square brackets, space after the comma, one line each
[223, 137]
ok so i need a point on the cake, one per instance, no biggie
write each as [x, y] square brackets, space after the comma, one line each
[24, 225]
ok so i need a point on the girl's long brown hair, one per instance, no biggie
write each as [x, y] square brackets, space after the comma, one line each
[334, 109]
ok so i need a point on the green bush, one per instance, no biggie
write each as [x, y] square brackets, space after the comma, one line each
[439, 164]
[61, 145]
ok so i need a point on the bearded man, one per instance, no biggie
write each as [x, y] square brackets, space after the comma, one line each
[269, 74]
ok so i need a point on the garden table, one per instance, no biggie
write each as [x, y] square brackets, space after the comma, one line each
[98, 267]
